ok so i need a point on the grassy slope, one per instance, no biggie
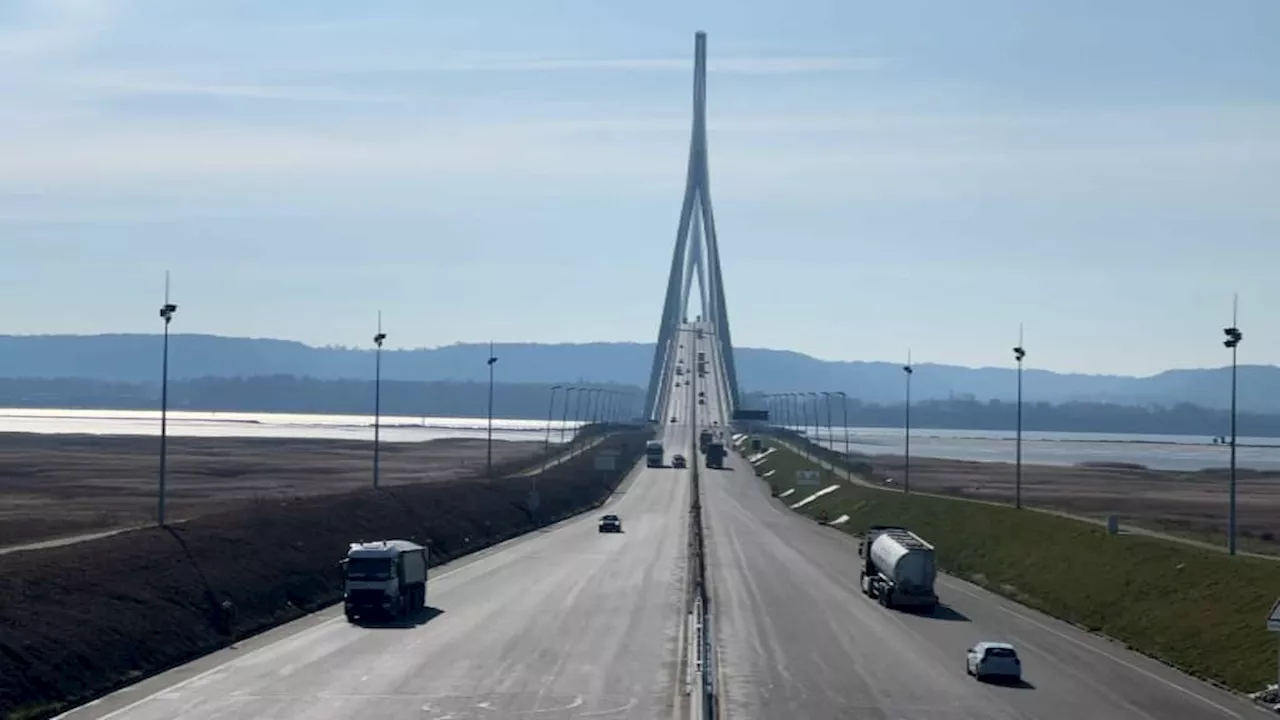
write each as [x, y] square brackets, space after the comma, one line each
[80, 620]
[1192, 608]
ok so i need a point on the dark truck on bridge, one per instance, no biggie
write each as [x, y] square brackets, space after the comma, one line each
[704, 438]
[715, 453]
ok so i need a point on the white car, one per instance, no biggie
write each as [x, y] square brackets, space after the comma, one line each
[993, 659]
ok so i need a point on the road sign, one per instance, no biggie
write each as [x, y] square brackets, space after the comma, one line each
[1273, 618]
[607, 460]
[807, 477]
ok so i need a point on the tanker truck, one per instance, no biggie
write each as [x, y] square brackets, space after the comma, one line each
[898, 568]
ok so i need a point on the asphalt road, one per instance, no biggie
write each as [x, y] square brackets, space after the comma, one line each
[796, 638]
[565, 623]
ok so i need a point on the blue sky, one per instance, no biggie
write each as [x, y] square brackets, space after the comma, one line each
[885, 175]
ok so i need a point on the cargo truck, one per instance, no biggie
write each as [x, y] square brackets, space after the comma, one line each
[715, 455]
[704, 438]
[387, 578]
[898, 568]
[654, 452]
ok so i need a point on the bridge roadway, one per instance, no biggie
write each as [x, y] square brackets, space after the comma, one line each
[796, 638]
[564, 623]
[568, 623]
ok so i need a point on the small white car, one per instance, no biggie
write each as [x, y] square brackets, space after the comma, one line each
[993, 660]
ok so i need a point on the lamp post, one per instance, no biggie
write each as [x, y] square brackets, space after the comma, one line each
[377, 394]
[827, 398]
[564, 418]
[577, 410]
[166, 313]
[844, 419]
[488, 451]
[551, 404]
[1018, 354]
[908, 371]
[816, 421]
[1234, 336]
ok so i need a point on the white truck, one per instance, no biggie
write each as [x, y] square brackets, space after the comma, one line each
[898, 568]
[386, 577]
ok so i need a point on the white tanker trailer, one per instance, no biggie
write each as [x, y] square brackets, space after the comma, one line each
[898, 568]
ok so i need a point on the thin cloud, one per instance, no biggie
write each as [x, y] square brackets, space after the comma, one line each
[294, 93]
[741, 66]
[56, 27]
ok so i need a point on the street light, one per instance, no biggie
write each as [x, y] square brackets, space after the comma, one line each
[907, 370]
[816, 420]
[564, 418]
[1234, 336]
[577, 410]
[166, 313]
[830, 435]
[488, 452]
[1018, 355]
[377, 394]
[844, 407]
[551, 404]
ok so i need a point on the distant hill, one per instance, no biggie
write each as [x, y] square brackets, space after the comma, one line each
[136, 358]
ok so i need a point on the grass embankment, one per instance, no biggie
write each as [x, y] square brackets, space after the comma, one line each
[1195, 609]
[80, 620]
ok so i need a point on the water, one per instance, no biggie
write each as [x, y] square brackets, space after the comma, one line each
[1159, 452]
[1163, 452]
[271, 425]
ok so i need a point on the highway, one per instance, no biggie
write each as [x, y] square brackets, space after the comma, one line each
[796, 638]
[564, 623]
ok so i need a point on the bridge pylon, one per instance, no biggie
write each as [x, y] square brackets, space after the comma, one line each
[696, 256]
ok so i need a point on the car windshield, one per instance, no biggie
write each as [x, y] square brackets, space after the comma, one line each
[364, 568]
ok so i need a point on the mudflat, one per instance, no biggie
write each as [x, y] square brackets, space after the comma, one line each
[58, 485]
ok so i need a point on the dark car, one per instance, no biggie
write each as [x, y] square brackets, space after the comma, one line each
[611, 523]
[678, 462]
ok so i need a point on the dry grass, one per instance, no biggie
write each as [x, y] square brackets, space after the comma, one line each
[57, 485]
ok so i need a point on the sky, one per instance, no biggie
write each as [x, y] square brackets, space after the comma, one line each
[885, 176]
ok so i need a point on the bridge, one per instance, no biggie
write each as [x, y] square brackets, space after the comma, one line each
[567, 623]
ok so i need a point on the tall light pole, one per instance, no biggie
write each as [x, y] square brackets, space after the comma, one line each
[830, 435]
[551, 404]
[377, 394]
[1018, 355]
[488, 450]
[1234, 336]
[166, 313]
[844, 407]
[564, 418]
[577, 410]
[907, 370]
[816, 418]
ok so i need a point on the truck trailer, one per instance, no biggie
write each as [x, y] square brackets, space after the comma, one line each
[704, 439]
[898, 568]
[384, 578]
